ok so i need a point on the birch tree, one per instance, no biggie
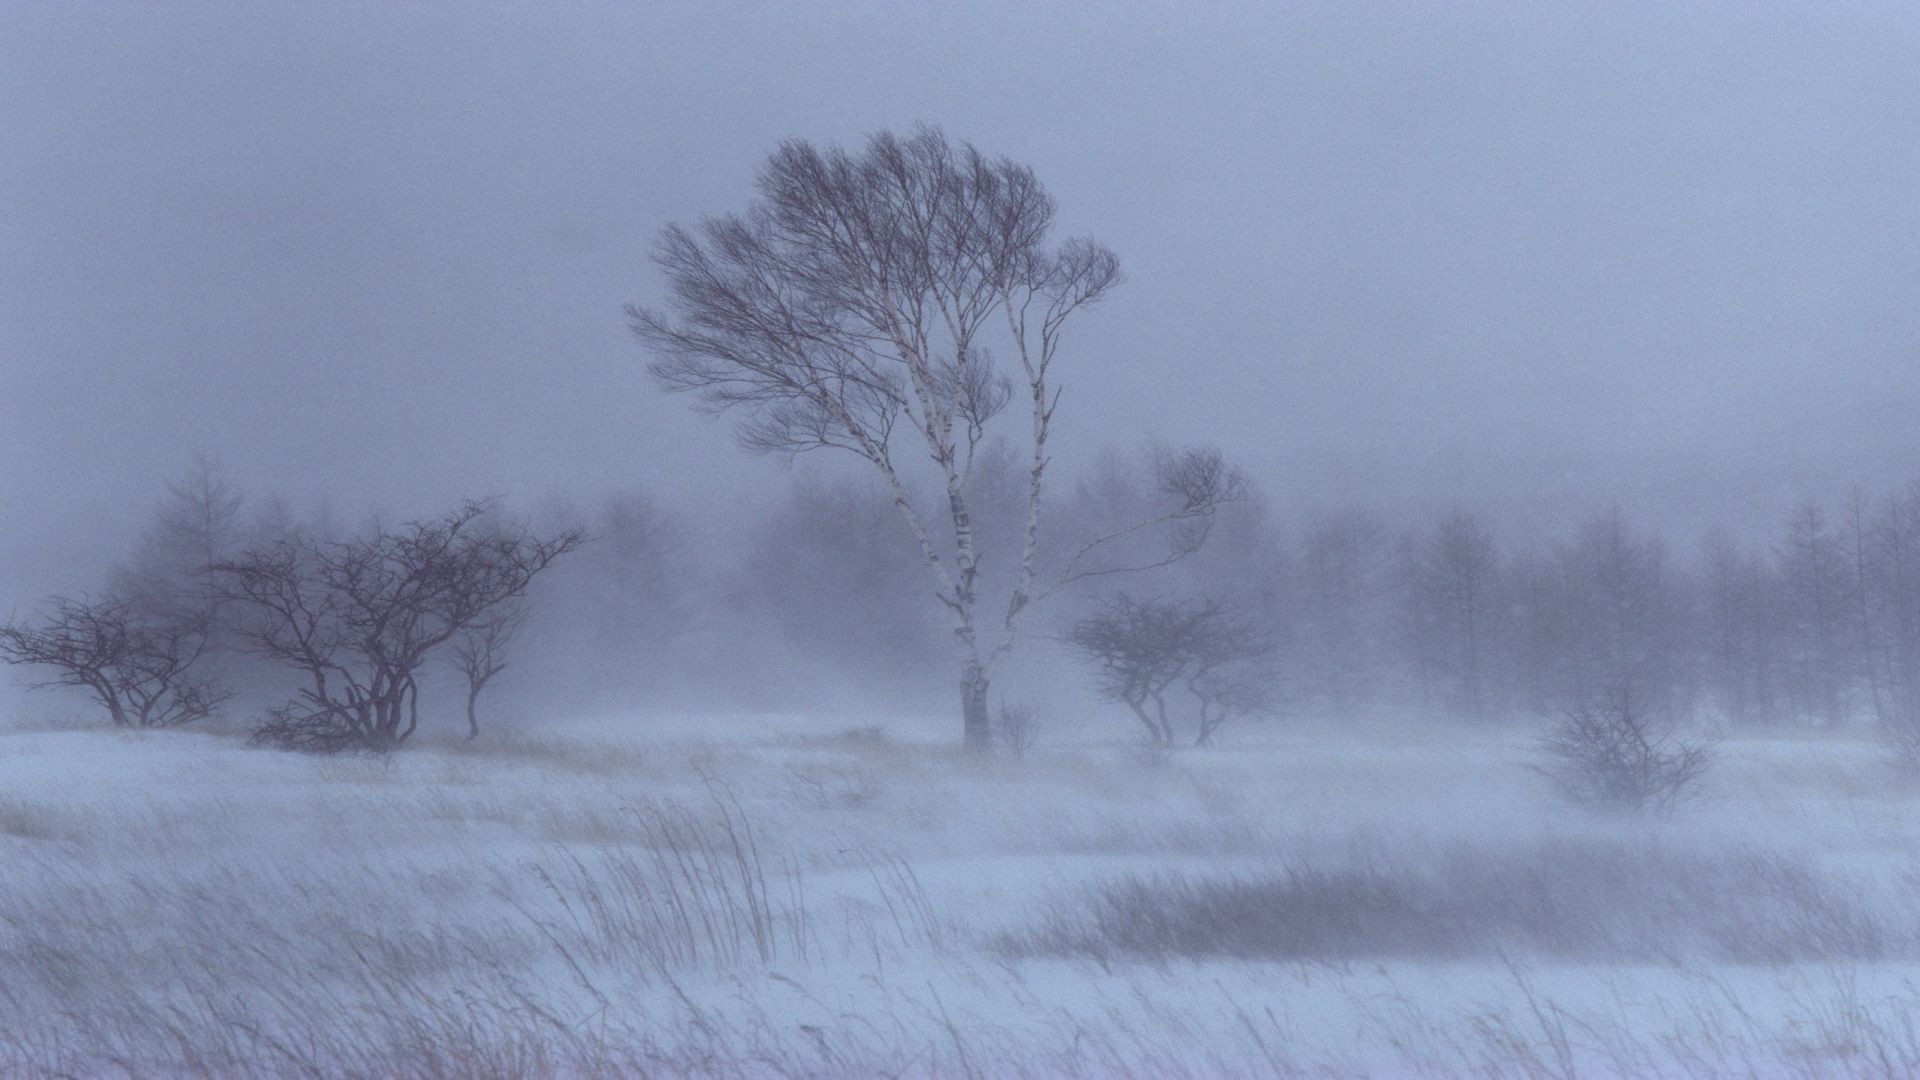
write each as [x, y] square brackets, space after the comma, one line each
[863, 304]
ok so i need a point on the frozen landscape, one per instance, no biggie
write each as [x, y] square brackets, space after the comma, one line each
[789, 896]
[990, 539]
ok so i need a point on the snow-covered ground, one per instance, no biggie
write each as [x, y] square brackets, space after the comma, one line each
[797, 896]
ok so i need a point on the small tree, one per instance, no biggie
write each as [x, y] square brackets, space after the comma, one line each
[1016, 729]
[1145, 649]
[1450, 578]
[196, 525]
[142, 667]
[1611, 753]
[480, 653]
[359, 618]
[859, 304]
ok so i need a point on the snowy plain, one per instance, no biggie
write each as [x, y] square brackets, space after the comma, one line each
[804, 896]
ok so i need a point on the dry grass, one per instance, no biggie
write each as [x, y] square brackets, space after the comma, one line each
[606, 760]
[1586, 900]
[27, 820]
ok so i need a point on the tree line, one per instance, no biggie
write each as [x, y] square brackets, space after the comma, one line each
[905, 308]
[1340, 614]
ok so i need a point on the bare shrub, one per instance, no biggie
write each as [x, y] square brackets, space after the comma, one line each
[307, 731]
[359, 618]
[832, 787]
[1612, 753]
[1147, 649]
[143, 668]
[1016, 729]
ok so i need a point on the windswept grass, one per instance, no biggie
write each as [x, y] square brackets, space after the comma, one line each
[838, 906]
[1590, 899]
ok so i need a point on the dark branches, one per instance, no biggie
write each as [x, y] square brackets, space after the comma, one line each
[139, 666]
[359, 618]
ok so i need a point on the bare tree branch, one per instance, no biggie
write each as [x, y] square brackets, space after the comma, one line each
[853, 303]
[143, 668]
[360, 617]
[1143, 648]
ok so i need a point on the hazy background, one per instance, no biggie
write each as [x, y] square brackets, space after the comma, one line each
[1535, 258]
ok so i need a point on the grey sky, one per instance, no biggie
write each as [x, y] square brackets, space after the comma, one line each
[1521, 254]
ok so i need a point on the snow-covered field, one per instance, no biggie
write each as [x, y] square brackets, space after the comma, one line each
[793, 896]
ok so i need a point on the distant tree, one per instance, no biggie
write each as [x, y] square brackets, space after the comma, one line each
[1894, 554]
[1343, 608]
[1814, 569]
[144, 668]
[610, 620]
[1865, 587]
[858, 304]
[196, 525]
[1611, 616]
[168, 578]
[1451, 595]
[1145, 649]
[359, 618]
[480, 653]
[1016, 729]
[1243, 552]
[1743, 636]
[825, 571]
[1612, 752]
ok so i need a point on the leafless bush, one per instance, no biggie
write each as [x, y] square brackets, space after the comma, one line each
[1016, 729]
[1147, 649]
[143, 668]
[359, 618]
[308, 731]
[1612, 753]
[832, 787]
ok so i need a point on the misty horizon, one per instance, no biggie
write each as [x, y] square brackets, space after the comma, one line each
[1392, 257]
[974, 540]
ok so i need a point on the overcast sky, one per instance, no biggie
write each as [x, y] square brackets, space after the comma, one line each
[1516, 254]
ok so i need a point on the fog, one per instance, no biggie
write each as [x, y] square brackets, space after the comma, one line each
[1532, 263]
[1499, 435]
[1522, 258]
